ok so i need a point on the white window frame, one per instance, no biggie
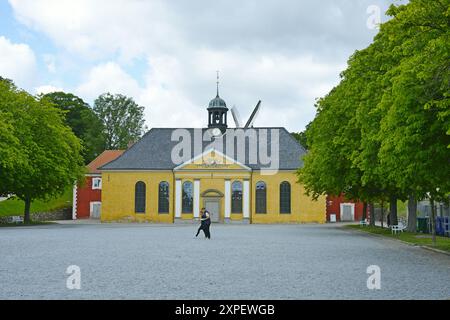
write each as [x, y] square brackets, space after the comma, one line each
[99, 187]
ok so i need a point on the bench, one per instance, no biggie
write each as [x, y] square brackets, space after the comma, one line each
[398, 228]
[363, 223]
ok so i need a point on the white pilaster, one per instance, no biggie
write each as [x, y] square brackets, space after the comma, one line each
[246, 199]
[74, 202]
[178, 195]
[227, 199]
[196, 199]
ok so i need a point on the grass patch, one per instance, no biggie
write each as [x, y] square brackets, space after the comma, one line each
[15, 207]
[29, 224]
[442, 243]
[402, 209]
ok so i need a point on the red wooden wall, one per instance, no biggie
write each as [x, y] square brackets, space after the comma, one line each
[334, 207]
[85, 195]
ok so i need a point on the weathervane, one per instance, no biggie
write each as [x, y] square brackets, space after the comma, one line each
[217, 71]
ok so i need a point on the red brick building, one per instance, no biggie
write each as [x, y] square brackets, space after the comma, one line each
[87, 196]
[344, 209]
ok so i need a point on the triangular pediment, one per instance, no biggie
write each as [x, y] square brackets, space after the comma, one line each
[212, 160]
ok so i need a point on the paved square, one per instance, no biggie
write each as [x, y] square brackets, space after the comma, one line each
[121, 261]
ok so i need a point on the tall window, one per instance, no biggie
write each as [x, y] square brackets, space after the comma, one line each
[285, 197]
[236, 197]
[261, 202]
[163, 197]
[188, 197]
[139, 197]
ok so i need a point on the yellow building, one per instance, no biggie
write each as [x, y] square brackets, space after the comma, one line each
[242, 175]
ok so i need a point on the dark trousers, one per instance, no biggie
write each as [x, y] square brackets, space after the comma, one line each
[206, 231]
[205, 228]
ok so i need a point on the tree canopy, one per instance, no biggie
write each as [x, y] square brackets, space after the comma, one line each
[39, 156]
[84, 122]
[383, 132]
[123, 119]
[301, 137]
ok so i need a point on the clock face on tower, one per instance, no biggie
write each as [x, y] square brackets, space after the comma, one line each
[216, 132]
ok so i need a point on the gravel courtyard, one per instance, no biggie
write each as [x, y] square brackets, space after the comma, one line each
[240, 262]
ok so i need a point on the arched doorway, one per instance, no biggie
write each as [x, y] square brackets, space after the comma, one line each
[212, 201]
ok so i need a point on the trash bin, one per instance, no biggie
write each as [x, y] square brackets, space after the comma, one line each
[447, 226]
[440, 226]
[333, 217]
[422, 225]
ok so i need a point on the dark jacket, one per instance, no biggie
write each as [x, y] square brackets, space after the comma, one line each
[207, 220]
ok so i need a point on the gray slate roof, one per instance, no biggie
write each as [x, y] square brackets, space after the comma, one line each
[153, 151]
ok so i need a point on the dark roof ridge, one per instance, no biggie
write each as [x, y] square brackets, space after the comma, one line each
[296, 141]
[153, 151]
[139, 141]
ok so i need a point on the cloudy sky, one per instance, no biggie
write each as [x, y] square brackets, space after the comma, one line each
[165, 53]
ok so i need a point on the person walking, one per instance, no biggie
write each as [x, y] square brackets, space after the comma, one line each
[205, 223]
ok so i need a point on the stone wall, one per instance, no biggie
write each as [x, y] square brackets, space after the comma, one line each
[62, 214]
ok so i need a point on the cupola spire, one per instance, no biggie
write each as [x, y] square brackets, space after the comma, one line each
[217, 110]
[217, 83]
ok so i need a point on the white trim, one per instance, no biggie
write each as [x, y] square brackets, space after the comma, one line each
[100, 185]
[222, 171]
[177, 198]
[196, 174]
[352, 205]
[232, 161]
[227, 199]
[233, 174]
[74, 201]
[196, 198]
[246, 199]
[136, 170]
[192, 174]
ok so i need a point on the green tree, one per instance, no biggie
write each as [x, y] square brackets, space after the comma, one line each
[123, 119]
[12, 155]
[414, 146]
[84, 122]
[327, 168]
[383, 132]
[301, 137]
[48, 153]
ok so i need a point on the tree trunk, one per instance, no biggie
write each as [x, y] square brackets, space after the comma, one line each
[393, 211]
[26, 216]
[412, 214]
[372, 214]
[382, 213]
[433, 220]
[364, 217]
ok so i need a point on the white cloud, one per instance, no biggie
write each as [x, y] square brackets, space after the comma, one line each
[176, 92]
[286, 53]
[107, 77]
[50, 62]
[17, 62]
[94, 29]
[47, 89]
[181, 89]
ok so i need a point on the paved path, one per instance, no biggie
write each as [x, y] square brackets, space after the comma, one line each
[240, 262]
